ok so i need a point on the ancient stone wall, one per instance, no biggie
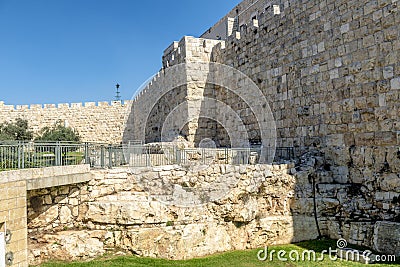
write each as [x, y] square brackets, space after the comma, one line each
[13, 219]
[330, 70]
[13, 206]
[170, 88]
[326, 72]
[242, 14]
[331, 74]
[113, 211]
[271, 204]
[94, 122]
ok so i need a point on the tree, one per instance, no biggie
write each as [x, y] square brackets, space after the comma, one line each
[58, 133]
[15, 131]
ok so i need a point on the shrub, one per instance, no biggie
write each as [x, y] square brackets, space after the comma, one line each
[58, 133]
[15, 131]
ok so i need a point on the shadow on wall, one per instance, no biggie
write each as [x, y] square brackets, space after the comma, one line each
[285, 215]
[152, 126]
[352, 190]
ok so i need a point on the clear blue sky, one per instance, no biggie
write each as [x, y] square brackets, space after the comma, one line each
[62, 51]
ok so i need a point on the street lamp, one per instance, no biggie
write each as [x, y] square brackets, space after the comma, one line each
[117, 95]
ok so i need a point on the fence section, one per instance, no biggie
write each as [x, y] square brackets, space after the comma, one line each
[21, 155]
[144, 156]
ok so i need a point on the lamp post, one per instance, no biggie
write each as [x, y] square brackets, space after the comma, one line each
[117, 95]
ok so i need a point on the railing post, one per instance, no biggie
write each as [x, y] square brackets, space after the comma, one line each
[110, 165]
[178, 155]
[23, 155]
[124, 159]
[116, 157]
[147, 157]
[87, 159]
[58, 154]
[102, 154]
[19, 155]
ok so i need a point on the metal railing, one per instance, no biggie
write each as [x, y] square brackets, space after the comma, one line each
[104, 155]
[145, 156]
[21, 155]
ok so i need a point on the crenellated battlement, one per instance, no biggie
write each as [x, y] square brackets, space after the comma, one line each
[180, 52]
[94, 121]
[65, 105]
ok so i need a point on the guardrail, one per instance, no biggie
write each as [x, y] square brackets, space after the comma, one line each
[21, 155]
[145, 156]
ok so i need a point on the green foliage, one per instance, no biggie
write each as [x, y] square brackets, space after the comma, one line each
[17, 130]
[170, 223]
[58, 133]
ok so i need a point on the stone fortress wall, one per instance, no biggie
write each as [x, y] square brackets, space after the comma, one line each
[151, 106]
[95, 122]
[331, 73]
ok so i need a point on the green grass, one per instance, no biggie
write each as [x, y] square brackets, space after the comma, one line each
[246, 258]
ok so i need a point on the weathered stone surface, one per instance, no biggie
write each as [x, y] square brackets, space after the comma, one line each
[66, 245]
[45, 217]
[242, 219]
[386, 237]
[94, 123]
[390, 182]
[13, 217]
[332, 81]
[65, 215]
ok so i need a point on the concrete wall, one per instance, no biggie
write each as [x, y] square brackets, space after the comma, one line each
[95, 122]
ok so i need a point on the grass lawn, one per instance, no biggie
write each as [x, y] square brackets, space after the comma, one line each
[229, 259]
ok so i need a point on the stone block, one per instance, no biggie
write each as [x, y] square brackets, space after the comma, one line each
[304, 228]
[65, 215]
[335, 140]
[390, 182]
[364, 139]
[395, 83]
[388, 72]
[385, 138]
[386, 238]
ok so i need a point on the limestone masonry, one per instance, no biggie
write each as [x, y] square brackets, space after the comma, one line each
[331, 73]
[13, 203]
[330, 70]
[95, 122]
